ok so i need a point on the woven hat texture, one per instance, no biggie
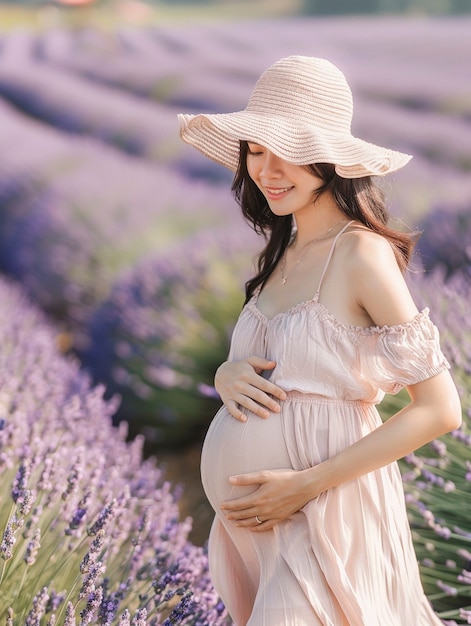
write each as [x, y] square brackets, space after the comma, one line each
[301, 110]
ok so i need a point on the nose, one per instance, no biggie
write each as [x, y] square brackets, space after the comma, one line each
[270, 166]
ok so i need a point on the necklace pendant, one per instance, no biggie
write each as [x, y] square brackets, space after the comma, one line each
[283, 280]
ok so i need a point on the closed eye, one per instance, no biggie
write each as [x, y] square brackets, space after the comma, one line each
[254, 149]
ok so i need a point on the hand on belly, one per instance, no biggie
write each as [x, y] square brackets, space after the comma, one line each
[232, 447]
[278, 494]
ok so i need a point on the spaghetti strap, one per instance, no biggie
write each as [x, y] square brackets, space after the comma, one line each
[329, 257]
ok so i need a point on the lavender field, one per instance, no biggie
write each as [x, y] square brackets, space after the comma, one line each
[129, 241]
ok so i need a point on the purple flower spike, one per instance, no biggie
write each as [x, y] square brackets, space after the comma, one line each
[105, 516]
[61, 428]
[39, 607]
[21, 480]
[450, 591]
[93, 604]
[95, 548]
[89, 583]
[125, 619]
[164, 329]
[33, 547]
[70, 615]
[140, 618]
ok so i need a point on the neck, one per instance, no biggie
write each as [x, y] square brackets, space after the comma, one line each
[323, 215]
[329, 226]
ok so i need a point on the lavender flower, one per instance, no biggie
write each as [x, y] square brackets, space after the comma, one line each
[65, 252]
[9, 539]
[33, 547]
[93, 604]
[80, 263]
[39, 606]
[95, 548]
[165, 329]
[60, 427]
[125, 619]
[441, 227]
[70, 615]
[77, 106]
[140, 619]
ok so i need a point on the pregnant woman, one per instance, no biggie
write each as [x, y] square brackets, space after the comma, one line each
[311, 526]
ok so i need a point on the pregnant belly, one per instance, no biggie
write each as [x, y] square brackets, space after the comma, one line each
[232, 447]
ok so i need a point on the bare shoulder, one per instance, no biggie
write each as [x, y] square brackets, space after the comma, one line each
[374, 277]
[366, 249]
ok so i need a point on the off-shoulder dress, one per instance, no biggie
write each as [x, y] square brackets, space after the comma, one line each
[347, 558]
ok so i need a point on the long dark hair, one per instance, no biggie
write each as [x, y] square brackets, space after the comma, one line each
[358, 198]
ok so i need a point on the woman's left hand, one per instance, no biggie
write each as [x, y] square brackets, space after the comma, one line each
[280, 493]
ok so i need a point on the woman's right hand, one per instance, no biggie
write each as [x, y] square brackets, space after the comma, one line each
[241, 384]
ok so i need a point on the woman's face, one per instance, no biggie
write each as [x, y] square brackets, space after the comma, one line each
[287, 188]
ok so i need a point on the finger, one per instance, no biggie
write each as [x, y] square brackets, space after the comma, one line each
[242, 517]
[276, 391]
[242, 507]
[270, 388]
[254, 478]
[253, 525]
[248, 522]
[255, 407]
[254, 396]
[260, 395]
[259, 363]
[264, 526]
[249, 404]
[234, 410]
[239, 507]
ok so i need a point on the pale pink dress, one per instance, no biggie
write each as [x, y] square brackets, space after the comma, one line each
[347, 557]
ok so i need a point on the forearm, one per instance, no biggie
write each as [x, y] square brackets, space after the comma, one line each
[404, 432]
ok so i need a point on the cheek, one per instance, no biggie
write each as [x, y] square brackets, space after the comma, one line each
[252, 170]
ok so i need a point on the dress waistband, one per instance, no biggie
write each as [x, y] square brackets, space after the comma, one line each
[300, 396]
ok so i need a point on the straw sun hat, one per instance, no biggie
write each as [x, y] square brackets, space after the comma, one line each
[301, 110]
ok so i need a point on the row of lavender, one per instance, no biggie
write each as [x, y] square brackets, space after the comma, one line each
[102, 183]
[100, 203]
[125, 88]
[93, 250]
[75, 494]
[66, 475]
[89, 531]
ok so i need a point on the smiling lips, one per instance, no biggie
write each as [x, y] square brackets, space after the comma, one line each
[277, 192]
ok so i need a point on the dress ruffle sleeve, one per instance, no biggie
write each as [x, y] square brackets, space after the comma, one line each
[397, 356]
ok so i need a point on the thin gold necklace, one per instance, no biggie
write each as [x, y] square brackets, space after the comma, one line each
[284, 275]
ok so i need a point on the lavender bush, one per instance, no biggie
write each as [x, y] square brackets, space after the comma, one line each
[446, 241]
[78, 212]
[68, 254]
[165, 328]
[78, 106]
[66, 234]
[75, 105]
[437, 478]
[179, 67]
[89, 531]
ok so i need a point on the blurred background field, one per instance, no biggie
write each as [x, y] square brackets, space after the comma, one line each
[131, 244]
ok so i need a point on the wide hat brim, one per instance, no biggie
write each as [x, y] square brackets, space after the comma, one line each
[217, 136]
